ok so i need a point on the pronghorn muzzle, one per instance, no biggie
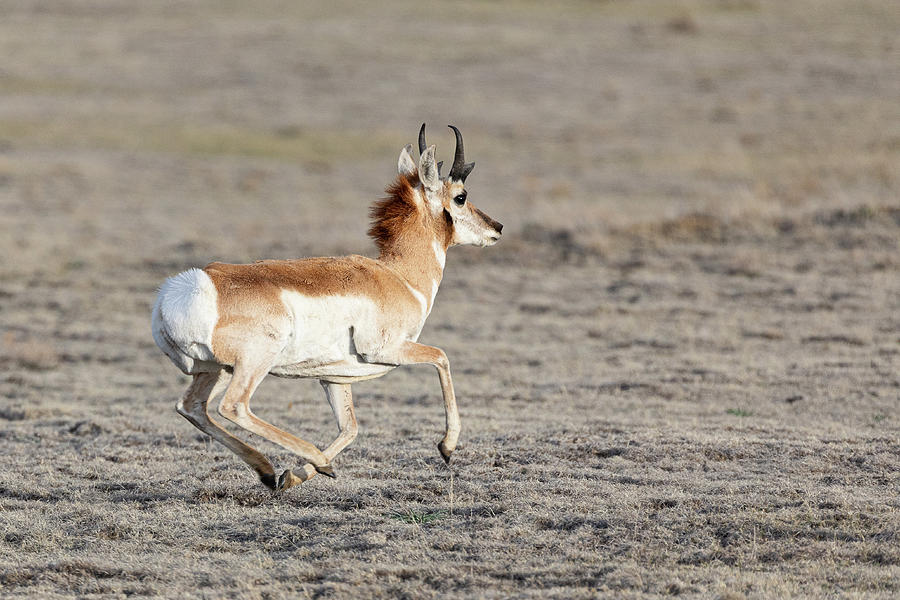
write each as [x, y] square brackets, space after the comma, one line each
[496, 225]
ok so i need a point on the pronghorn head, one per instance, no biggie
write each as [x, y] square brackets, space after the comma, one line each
[447, 198]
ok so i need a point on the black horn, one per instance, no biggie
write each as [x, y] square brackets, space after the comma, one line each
[460, 170]
[422, 147]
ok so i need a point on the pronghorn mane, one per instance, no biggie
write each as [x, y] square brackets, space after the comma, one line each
[391, 215]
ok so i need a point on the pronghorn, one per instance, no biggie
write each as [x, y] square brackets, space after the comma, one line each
[337, 319]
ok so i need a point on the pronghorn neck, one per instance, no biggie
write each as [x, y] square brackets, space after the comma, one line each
[421, 263]
[411, 240]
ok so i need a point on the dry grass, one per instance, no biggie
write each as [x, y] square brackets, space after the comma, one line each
[678, 373]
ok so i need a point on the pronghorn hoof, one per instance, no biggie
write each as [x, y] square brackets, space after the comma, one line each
[269, 480]
[287, 480]
[326, 470]
[444, 453]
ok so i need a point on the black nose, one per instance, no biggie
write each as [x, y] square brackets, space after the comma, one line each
[499, 227]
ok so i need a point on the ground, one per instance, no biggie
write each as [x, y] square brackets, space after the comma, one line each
[677, 373]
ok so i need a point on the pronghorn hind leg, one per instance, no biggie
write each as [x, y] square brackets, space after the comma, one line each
[193, 407]
[341, 400]
[235, 406]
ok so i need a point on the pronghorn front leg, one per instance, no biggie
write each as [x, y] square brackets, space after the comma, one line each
[412, 353]
[341, 400]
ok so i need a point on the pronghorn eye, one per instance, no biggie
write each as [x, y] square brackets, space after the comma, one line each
[461, 199]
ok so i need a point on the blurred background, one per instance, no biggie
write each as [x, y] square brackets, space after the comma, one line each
[240, 130]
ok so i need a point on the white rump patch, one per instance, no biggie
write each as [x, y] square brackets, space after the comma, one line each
[184, 317]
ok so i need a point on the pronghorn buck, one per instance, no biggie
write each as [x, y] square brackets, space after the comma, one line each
[337, 319]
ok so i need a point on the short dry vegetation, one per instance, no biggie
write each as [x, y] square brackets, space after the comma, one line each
[678, 372]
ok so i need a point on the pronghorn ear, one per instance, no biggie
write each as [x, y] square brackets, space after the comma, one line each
[428, 172]
[405, 164]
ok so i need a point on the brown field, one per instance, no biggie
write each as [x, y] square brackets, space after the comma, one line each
[678, 372]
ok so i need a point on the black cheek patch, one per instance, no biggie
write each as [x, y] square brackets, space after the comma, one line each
[448, 219]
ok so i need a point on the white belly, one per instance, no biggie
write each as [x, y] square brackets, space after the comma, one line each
[322, 344]
[338, 372]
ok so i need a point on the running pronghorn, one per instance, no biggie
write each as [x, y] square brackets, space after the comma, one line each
[339, 320]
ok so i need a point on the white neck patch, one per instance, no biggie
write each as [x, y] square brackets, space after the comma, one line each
[439, 253]
[434, 289]
[419, 296]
